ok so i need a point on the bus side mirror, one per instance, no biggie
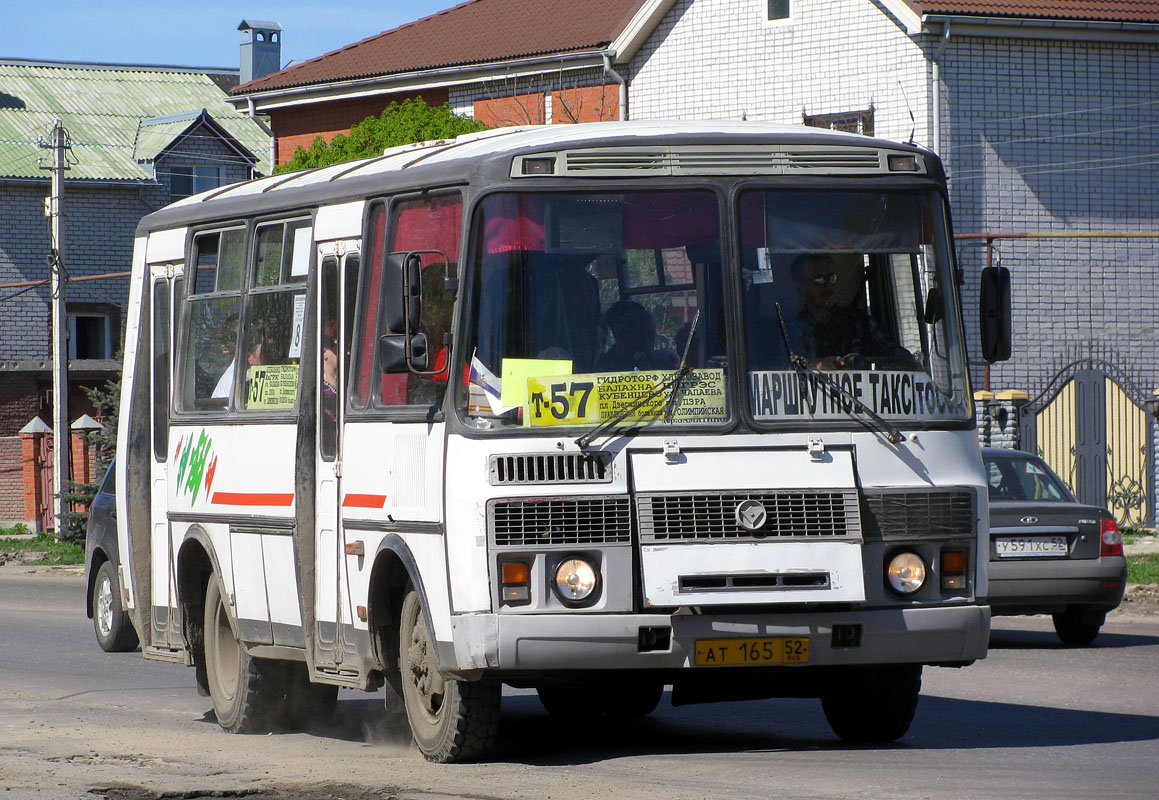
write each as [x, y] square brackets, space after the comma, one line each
[392, 352]
[404, 292]
[994, 313]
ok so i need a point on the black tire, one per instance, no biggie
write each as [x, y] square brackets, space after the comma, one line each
[872, 704]
[1075, 628]
[307, 705]
[450, 720]
[114, 629]
[633, 698]
[246, 691]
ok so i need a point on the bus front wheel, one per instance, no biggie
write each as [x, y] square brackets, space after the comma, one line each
[246, 691]
[872, 704]
[451, 720]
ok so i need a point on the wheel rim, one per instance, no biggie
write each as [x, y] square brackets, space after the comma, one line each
[225, 653]
[422, 672]
[105, 606]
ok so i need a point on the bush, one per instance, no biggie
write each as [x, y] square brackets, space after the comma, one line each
[407, 122]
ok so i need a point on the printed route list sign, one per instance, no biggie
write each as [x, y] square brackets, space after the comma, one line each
[590, 399]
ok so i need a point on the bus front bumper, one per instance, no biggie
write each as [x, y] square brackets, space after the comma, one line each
[930, 635]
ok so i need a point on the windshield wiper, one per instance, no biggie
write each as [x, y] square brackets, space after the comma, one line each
[892, 434]
[671, 385]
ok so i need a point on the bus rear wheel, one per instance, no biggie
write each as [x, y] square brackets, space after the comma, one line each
[246, 691]
[451, 720]
[872, 704]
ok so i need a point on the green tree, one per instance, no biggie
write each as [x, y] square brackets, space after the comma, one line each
[410, 121]
[75, 516]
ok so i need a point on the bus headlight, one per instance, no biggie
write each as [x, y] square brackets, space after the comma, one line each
[576, 580]
[906, 572]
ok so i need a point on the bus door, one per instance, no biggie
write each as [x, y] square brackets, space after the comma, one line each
[337, 287]
[165, 283]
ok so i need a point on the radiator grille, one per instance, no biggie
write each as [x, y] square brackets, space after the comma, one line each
[560, 521]
[548, 468]
[800, 514]
[919, 514]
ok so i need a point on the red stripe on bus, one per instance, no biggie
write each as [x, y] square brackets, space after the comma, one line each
[364, 500]
[251, 499]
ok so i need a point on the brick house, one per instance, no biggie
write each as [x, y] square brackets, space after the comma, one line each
[141, 137]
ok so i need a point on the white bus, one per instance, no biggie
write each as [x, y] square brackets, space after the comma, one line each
[593, 409]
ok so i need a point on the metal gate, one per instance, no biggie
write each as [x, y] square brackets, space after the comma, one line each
[1090, 425]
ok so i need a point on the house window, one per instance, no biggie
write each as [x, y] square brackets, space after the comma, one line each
[846, 121]
[90, 336]
[777, 10]
[191, 180]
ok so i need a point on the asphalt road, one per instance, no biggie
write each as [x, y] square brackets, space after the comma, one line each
[1034, 720]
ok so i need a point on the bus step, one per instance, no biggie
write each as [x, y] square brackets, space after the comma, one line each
[178, 656]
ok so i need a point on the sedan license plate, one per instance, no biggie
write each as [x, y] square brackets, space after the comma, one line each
[1030, 546]
[751, 652]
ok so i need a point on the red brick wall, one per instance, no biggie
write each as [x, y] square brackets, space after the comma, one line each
[19, 401]
[586, 104]
[11, 482]
[518, 109]
[298, 126]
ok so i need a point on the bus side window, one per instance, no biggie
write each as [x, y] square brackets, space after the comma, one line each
[275, 315]
[208, 322]
[428, 223]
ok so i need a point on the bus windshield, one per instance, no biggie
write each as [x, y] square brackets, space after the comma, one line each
[860, 282]
[583, 306]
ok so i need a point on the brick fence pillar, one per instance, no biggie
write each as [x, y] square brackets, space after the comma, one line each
[31, 446]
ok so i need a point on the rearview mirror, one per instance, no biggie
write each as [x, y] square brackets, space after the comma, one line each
[404, 292]
[392, 355]
[994, 313]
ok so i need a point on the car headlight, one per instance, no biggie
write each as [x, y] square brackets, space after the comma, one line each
[576, 580]
[906, 572]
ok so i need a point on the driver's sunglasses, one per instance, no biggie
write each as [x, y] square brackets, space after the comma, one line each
[821, 280]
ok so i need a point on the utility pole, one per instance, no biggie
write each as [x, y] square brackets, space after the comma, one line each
[61, 434]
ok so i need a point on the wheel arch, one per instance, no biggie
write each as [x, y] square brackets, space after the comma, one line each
[196, 565]
[395, 570]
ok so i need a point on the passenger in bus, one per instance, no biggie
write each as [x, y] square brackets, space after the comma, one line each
[225, 384]
[834, 336]
[634, 348]
[329, 380]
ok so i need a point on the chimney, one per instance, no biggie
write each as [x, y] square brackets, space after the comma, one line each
[261, 49]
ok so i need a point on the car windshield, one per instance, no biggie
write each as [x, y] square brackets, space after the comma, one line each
[583, 305]
[851, 288]
[1022, 480]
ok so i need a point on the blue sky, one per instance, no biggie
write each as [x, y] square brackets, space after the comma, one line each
[200, 33]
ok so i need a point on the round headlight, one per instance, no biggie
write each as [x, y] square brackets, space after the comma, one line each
[906, 573]
[575, 580]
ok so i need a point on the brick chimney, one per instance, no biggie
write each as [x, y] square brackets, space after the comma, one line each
[261, 49]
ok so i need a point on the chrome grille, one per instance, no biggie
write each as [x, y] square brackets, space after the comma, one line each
[560, 521]
[791, 514]
[919, 513]
[719, 160]
[540, 468]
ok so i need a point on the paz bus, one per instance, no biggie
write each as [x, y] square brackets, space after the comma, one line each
[551, 408]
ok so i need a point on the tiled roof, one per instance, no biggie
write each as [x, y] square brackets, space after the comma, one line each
[102, 108]
[473, 32]
[1088, 10]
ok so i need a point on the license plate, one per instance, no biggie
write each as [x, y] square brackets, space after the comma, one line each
[751, 652]
[1024, 546]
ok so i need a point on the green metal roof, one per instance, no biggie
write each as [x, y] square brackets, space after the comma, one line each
[118, 118]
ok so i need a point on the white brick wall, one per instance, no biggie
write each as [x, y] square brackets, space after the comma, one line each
[720, 59]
